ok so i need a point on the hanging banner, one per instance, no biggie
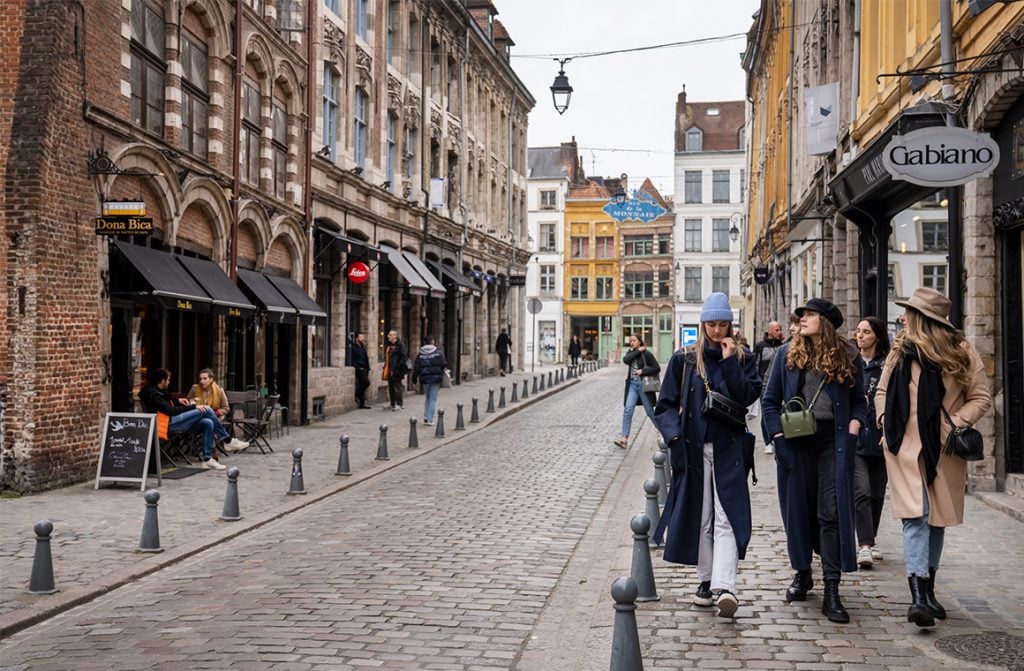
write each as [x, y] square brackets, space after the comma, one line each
[437, 192]
[821, 106]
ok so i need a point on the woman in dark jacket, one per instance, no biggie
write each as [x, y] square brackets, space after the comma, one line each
[639, 363]
[574, 351]
[707, 515]
[869, 477]
[816, 471]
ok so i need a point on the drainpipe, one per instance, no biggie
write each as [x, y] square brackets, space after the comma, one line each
[780, 300]
[511, 208]
[307, 209]
[236, 169]
[855, 72]
[954, 194]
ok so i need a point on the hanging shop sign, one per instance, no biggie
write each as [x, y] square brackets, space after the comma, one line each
[358, 272]
[517, 280]
[122, 225]
[940, 156]
[642, 208]
[761, 274]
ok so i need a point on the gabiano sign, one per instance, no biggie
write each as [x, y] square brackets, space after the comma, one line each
[940, 156]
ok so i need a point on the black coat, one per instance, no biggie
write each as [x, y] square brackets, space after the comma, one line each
[574, 349]
[685, 429]
[359, 357]
[398, 359]
[870, 439]
[429, 365]
[848, 403]
[651, 367]
[503, 344]
[154, 400]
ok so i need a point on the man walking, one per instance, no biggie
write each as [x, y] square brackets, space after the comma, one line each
[503, 346]
[361, 362]
[396, 358]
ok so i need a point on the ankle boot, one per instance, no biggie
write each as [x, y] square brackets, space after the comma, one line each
[919, 613]
[802, 584]
[937, 611]
[831, 606]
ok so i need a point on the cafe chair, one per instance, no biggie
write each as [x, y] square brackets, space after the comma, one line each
[250, 414]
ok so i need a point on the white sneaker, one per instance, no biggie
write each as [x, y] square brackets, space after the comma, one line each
[769, 448]
[727, 604]
[427, 422]
[876, 554]
[235, 445]
[213, 464]
[864, 558]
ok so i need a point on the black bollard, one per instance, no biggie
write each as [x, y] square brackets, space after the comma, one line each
[460, 424]
[551, 377]
[150, 541]
[534, 390]
[660, 477]
[297, 486]
[652, 509]
[414, 440]
[501, 398]
[515, 395]
[474, 415]
[490, 400]
[668, 460]
[343, 466]
[625, 638]
[231, 512]
[641, 569]
[41, 581]
[542, 381]
[526, 386]
[382, 444]
[439, 428]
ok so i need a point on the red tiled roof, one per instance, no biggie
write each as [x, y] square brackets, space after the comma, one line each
[652, 191]
[500, 32]
[721, 131]
[590, 190]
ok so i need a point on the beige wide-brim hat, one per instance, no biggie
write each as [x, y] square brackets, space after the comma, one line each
[931, 304]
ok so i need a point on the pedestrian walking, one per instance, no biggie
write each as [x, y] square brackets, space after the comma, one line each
[707, 514]
[361, 362]
[641, 366]
[503, 346]
[429, 368]
[764, 352]
[933, 379]
[574, 351]
[869, 477]
[396, 365]
[814, 449]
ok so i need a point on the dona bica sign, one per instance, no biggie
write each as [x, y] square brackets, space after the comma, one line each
[940, 156]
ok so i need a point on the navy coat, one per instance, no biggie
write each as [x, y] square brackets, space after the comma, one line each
[848, 403]
[870, 443]
[650, 367]
[685, 434]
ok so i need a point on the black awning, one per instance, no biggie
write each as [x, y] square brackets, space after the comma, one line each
[228, 299]
[160, 278]
[416, 284]
[309, 311]
[436, 289]
[456, 281]
[352, 247]
[276, 307]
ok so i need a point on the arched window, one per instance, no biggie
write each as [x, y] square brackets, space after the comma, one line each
[330, 128]
[147, 67]
[195, 94]
[251, 132]
[694, 140]
[360, 117]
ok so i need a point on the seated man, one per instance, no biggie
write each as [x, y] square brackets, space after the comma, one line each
[184, 417]
[209, 393]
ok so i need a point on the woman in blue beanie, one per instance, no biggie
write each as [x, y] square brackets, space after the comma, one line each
[641, 363]
[707, 515]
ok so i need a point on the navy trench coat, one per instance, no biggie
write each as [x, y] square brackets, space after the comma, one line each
[848, 403]
[685, 433]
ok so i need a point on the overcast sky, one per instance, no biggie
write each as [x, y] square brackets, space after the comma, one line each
[625, 101]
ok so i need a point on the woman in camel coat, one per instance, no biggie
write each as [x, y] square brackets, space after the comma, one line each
[931, 368]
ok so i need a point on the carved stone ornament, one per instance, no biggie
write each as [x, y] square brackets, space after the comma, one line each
[364, 67]
[394, 92]
[455, 138]
[412, 109]
[435, 124]
[1005, 216]
[334, 39]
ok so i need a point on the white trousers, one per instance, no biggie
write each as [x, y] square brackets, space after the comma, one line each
[717, 556]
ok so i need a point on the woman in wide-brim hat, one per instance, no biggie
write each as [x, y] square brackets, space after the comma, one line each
[931, 371]
[815, 472]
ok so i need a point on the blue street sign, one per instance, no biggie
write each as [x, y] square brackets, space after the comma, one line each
[642, 208]
[688, 335]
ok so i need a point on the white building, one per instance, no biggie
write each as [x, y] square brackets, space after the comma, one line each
[550, 170]
[709, 207]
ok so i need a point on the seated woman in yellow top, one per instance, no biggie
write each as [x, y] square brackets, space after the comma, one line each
[208, 392]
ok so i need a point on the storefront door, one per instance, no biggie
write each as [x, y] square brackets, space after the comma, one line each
[277, 350]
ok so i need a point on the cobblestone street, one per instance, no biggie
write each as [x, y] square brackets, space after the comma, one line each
[495, 551]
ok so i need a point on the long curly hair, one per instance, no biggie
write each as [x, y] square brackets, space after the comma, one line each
[935, 343]
[830, 354]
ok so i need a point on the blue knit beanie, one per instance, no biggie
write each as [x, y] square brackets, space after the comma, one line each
[716, 308]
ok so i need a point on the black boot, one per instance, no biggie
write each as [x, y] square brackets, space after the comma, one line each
[938, 612]
[802, 584]
[831, 606]
[919, 613]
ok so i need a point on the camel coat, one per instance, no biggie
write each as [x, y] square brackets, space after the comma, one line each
[906, 470]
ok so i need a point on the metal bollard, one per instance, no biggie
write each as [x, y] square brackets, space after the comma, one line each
[625, 638]
[297, 486]
[515, 394]
[343, 465]
[490, 400]
[150, 541]
[414, 440]
[501, 398]
[542, 381]
[231, 512]
[41, 580]
[534, 391]
[460, 424]
[652, 509]
[382, 444]
[474, 415]
[551, 377]
[641, 569]
[439, 428]
[660, 477]
[526, 386]
[662, 447]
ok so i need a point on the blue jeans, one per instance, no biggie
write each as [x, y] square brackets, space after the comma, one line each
[203, 422]
[922, 543]
[636, 391]
[430, 392]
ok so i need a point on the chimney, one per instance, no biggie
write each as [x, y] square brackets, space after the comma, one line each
[681, 120]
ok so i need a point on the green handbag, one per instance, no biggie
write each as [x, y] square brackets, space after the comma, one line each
[800, 422]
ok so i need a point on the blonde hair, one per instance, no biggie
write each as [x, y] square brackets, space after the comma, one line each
[832, 355]
[702, 338]
[935, 343]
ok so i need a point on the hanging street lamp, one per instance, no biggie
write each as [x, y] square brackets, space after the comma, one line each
[561, 91]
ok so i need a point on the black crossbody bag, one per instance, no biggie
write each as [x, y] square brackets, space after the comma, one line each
[721, 407]
[964, 442]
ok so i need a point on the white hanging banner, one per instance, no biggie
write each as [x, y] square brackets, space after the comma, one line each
[437, 192]
[821, 105]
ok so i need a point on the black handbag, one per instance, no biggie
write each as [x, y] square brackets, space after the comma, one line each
[722, 407]
[964, 442]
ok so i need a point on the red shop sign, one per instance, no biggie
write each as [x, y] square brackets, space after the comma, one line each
[358, 272]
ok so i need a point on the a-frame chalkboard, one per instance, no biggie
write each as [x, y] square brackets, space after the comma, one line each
[126, 446]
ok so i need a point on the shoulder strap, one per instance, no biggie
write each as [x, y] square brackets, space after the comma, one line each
[682, 385]
[815, 399]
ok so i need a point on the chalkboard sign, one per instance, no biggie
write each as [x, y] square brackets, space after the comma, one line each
[125, 447]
